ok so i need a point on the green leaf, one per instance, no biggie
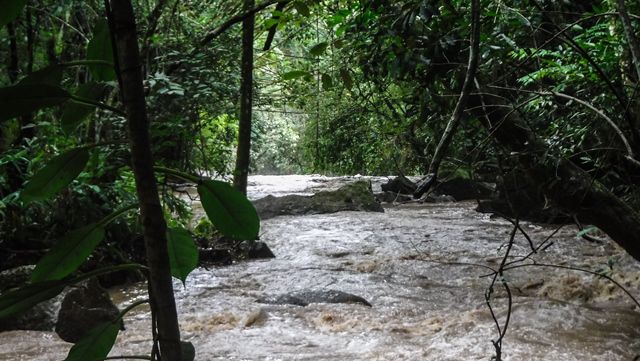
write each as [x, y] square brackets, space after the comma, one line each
[294, 74]
[10, 10]
[24, 99]
[57, 174]
[20, 300]
[69, 253]
[229, 210]
[318, 49]
[346, 78]
[99, 48]
[183, 253]
[74, 113]
[301, 8]
[51, 75]
[327, 82]
[96, 344]
[188, 351]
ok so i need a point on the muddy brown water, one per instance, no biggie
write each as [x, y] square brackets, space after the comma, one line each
[421, 268]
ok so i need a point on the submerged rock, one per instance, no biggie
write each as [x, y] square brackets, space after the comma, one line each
[306, 297]
[462, 189]
[256, 250]
[83, 309]
[356, 196]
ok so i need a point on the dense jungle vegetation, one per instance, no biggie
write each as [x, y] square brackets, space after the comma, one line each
[106, 106]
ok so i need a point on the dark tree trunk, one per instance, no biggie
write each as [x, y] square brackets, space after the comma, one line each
[12, 68]
[127, 58]
[246, 102]
[560, 181]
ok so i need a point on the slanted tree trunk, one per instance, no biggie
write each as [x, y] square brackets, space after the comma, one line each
[559, 181]
[129, 69]
[458, 112]
[246, 102]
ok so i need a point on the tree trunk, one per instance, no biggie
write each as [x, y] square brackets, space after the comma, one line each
[129, 68]
[458, 112]
[246, 102]
[559, 181]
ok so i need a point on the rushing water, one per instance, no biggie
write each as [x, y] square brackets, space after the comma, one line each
[421, 268]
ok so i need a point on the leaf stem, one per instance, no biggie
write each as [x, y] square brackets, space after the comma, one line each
[97, 104]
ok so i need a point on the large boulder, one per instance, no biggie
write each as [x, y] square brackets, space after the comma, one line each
[399, 184]
[41, 317]
[82, 309]
[306, 297]
[355, 196]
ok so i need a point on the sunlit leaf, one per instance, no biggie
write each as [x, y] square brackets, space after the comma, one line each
[20, 300]
[10, 9]
[229, 210]
[100, 48]
[57, 174]
[23, 99]
[96, 344]
[318, 49]
[183, 253]
[75, 112]
[68, 254]
[294, 74]
[51, 75]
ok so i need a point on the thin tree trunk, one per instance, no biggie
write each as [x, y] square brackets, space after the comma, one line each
[127, 57]
[634, 45]
[246, 102]
[461, 105]
[12, 67]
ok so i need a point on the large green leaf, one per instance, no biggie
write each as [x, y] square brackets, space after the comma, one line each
[229, 210]
[51, 75]
[69, 253]
[23, 99]
[100, 48]
[74, 113]
[327, 82]
[318, 49]
[19, 300]
[57, 174]
[9, 10]
[188, 351]
[346, 78]
[183, 253]
[96, 344]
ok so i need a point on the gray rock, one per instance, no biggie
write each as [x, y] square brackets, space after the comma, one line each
[306, 297]
[399, 184]
[256, 250]
[42, 317]
[356, 196]
[82, 309]
[393, 197]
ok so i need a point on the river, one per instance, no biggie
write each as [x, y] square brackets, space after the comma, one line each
[420, 266]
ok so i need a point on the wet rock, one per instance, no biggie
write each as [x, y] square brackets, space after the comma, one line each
[355, 196]
[82, 309]
[399, 184]
[41, 317]
[256, 250]
[306, 297]
[392, 197]
[462, 189]
[215, 257]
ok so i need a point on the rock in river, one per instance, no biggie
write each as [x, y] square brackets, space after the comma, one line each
[306, 297]
[355, 196]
